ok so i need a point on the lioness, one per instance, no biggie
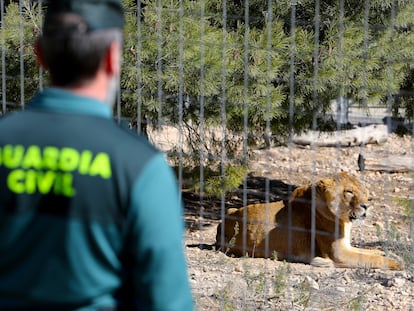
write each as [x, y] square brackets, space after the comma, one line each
[313, 227]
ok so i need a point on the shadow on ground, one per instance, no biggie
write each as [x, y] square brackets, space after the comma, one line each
[256, 189]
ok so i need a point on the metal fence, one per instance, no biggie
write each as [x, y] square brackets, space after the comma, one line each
[237, 94]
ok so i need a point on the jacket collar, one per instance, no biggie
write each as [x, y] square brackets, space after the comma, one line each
[63, 101]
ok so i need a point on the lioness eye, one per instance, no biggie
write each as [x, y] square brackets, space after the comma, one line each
[349, 194]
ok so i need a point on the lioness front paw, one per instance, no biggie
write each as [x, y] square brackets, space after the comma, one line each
[394, 264]
[322, 262]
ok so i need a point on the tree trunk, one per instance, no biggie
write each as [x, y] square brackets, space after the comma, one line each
[372, 134]
[385, 162]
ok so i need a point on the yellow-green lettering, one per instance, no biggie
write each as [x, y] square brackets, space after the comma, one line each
[85, 162]
[15, 181]
[12, 156]
[67, 185]
[50, 157]
[30, 181]
[101, 165]
[45, 181]
[63, 184]
[69, 159]
[50, 169]
[32, 158]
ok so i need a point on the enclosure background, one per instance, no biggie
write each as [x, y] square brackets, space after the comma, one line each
[229, 90]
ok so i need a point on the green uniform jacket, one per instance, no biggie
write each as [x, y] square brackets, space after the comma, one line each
[90, 214]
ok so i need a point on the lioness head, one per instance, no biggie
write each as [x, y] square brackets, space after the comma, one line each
[341, 197]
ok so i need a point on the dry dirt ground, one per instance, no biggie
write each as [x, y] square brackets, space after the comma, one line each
[220, 282]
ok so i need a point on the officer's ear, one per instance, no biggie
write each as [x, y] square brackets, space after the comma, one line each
[39, 55]
[113, 59]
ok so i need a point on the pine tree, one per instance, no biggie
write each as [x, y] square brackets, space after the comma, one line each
[247, 66]
[19, 70]
[184, 62]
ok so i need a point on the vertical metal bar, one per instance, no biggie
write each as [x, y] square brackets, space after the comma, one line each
[341, 51]
[223, 118]
[390, 74]
[291, 106]
[159, 61]
[246, 100]
[118, 101]
[367, 8]
[246, 114]
[180, 94]
[292, 54]
[340, 73]
[40, 12]
[3, 61]
[269, 86]
[202, 99]
[139, 66]
[314, 117]
[21, 43]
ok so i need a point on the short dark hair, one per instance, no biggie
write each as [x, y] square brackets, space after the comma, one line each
[71, 53]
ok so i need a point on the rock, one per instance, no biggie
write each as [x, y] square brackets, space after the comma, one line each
[312, 283]
[347, 278]
[399, 282]
[341, 289]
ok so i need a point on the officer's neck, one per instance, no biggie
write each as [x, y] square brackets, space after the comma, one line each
[96, 88]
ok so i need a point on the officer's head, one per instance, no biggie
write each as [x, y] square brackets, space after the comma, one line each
[77, 38]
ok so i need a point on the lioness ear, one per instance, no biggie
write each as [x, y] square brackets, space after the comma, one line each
[322, 186]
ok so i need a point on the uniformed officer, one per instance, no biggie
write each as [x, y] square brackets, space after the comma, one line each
[90, 215]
